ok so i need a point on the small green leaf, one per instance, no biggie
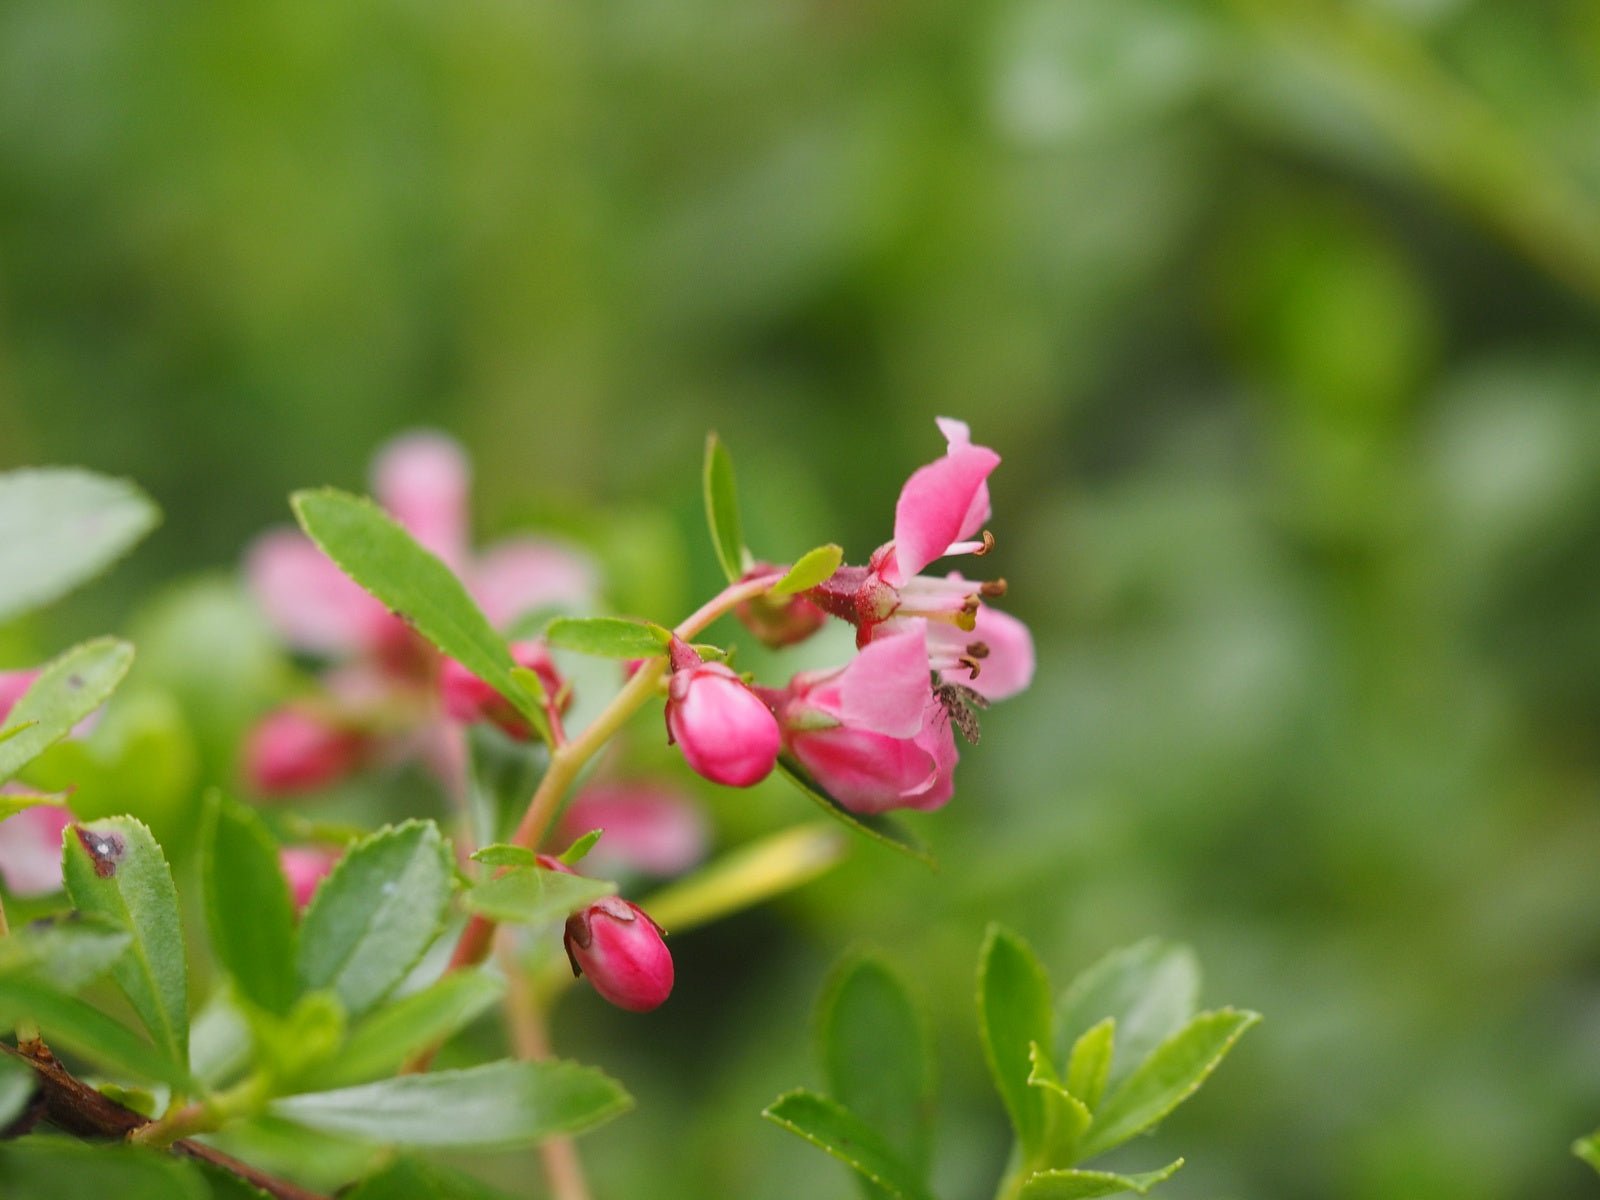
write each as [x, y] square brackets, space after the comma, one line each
[1588, 1149]
[810, 569]
[17, 1085]
[1084, 1185]
[291, 1046]
[389, 1036]
[876, 1055]
[501, 1104]
[67, 690]
[880, 828]
[413, 1178]
[373, 549]
[376, 912]
[248, 907]
[65, 953]
[1014, 1012]
[530, 896]
[72, 1024]
[1090, 1062]
[606, 637]
[722, 508]
[1065, 1116]
[116, 872]
[502, 855]
[841, 1133]
[1169, 1076]
[60, 527]
[1149, 988]
[11, 803]
[579, 850]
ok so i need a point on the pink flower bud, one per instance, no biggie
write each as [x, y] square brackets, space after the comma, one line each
[305, 867]
[621, 951]
[293, 750]
[467, 698]
[725, 731]
[779, 620]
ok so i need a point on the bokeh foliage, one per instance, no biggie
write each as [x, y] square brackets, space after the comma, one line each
[1282, 312]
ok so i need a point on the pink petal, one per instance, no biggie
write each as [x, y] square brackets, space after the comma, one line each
[423, 480]
[938, 506]
[885, 687]
[1007, 670]
[520, 575]
[30, 850]
[957, 436]
[312, 604]
[866, 772]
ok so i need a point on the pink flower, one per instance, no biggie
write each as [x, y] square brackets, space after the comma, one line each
[305, 867]
[621, 951]
[873, 734]
[13, 684]
[940, 512]
[295, 750]
[648, 828]
[30, 850]
[726, 732]
[467, 698]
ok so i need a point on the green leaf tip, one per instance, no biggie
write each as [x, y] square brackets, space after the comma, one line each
[722, 508]
[811, 568]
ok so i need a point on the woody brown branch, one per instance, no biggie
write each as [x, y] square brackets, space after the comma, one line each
[74, 1107]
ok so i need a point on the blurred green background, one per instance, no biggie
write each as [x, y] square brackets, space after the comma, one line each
[1283, 315]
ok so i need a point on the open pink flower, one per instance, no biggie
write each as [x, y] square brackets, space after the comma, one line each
[726, 732]
[873, 734]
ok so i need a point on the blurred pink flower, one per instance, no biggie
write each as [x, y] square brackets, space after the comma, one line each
[30, 850]
[293, 749]
[467, 699]
[648, 828]
[304, 867]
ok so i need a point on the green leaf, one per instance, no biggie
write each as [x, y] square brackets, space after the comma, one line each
[17, 1085]
[503, 855]
[1588, 1149]
[291, 1046]
[219, 1039]
[382, 1042]
[67, 690]
[531, 895]
[73, 1024]
[11, 803]
[746, 876]
[1065, 1116]
[841, 1133]
[60, 527]
[810, 569]
[501, 1104]
[51, 1168]
[1014, 1012]
[1149, 988]
[225, 1185]
[607, 637]
[722, 508]
[876, 1055]
[1169, 1076]
[66, 953]
[373, 549]
[248, 907]
[1090, 1062]
[880, 828]
[376, 912]
[579, 850]
[1082, 1185]
[116, 872]
[414, 1178]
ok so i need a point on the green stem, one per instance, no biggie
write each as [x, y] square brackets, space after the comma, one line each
[566, 762]
[205, 1115]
